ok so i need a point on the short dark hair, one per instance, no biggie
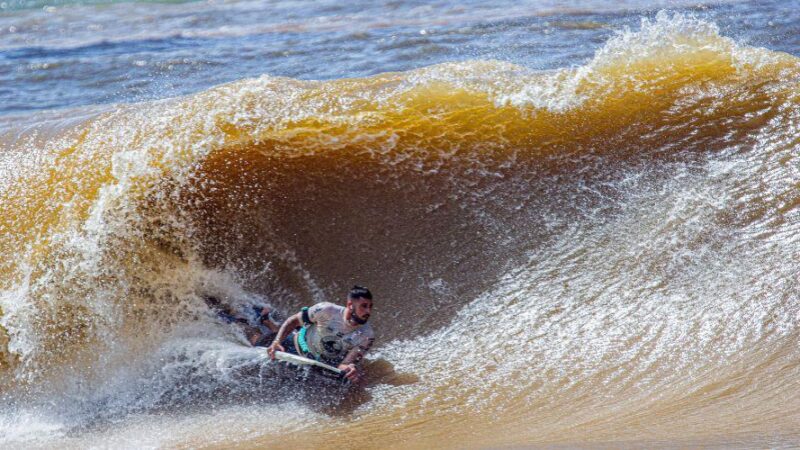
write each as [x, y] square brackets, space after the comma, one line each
[359, 292]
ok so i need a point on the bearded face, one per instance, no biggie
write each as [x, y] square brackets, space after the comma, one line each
[360, 310]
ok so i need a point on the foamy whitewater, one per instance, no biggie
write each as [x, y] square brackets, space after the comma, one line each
[592, 248]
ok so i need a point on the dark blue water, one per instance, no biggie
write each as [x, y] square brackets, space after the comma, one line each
[73, 55]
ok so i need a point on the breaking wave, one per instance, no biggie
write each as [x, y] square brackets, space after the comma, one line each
[602, 252]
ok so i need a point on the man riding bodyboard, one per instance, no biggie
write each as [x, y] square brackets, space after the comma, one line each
[336, 335]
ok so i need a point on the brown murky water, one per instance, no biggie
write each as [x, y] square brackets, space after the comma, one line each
[603, 256]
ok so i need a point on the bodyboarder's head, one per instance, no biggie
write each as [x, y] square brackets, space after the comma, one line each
[359, 305]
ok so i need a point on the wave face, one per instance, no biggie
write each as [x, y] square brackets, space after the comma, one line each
[602, 253]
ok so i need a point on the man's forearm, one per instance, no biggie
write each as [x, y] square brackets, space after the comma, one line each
[353, 357]
[290, 324]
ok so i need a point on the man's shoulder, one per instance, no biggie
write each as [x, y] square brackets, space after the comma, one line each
[364, 336]
[366, 330]
[325, 309]
[327, 305]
